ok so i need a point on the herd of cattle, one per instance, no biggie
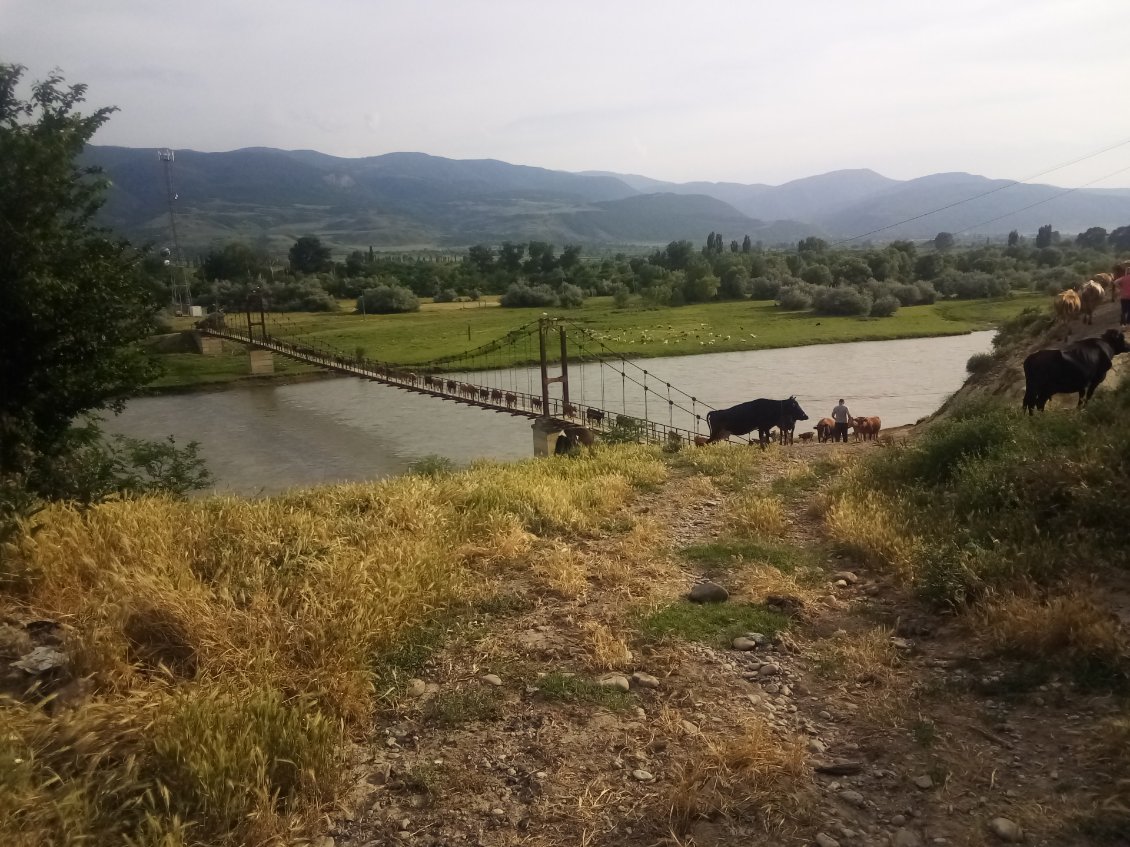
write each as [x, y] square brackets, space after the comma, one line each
[1082, 300]
[765, 416]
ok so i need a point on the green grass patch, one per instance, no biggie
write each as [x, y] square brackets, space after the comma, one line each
[711, 623]
[456, 708]
[575, 689]
[726, 554]
[638, 333]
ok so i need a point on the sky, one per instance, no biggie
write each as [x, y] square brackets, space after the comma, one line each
[744, 91]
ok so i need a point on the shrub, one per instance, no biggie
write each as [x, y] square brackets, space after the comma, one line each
[387, 300]
[794, 299]
[571, 297]
[520, 295]
[980, 362]
[621, 295]
[885, 306]
[764, 288]
[841, 301]
[445, 295]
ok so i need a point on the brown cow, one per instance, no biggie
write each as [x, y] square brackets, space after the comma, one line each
[866, 429]
[824, 429]
[594, 415]
[452, 386]
[806, 436]
[1067, 306]
[701, 441]
[569, 410]
[1107, 282]
[511, 399]
[484, 393]
[535, 402]
[1091, 297]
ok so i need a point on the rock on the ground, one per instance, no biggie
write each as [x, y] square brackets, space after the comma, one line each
[417, 688]
[850, 577]
[324, 841]
[614, 680]
[744, 643]
[1006, 830]
[906, 838]
[492, 679]
[924, 782]
[769, 670]
[839, 768]
[708, 592]
[688, 727]
[642, 775]
[40, 661]
[850, 795]
[815, 745]
[644, 680]
[825, 840]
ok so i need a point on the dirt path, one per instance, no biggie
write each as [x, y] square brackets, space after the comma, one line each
[586, 704]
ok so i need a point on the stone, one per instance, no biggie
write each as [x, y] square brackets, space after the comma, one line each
[1006, 830]
[898, 820]
[825, 840]
[772, 688]
[41, 660]
[842, 768]
[924, 782]
[417, 688]
[688, 727]
[614, 680]
[906, 838]
[644, 680]
[850, 795]
[850, 577]
[708, 592]
[642, 775]
[492, 679]
[769, 670]
[744, 643]
[324, 841]
[815, 745]
[841, 583]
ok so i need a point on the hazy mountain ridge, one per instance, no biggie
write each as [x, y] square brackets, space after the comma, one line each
[412, 200]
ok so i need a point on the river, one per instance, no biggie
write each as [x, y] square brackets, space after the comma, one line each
[267, 438]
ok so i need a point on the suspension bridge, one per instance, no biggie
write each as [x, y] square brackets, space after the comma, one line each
[590, 385]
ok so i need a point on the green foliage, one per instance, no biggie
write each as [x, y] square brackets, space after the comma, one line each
[72, 307]
[308, 255]
[944, 241]
[287, 294]
[387, 300]
[433, 466]
[884, 306]
[712, 623]
[519, 295]
[794, 298]
[621, 295]
[841, 301]
[574, 689]
[1044, 237]
[456, 708]
[234, 261]
[726, 553]
[980, 362]
[624, 430]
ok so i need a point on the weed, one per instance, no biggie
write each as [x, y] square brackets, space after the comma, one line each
[725, 554]
[755, 516]
[867, 657]
[713, 623]
[432, 465]
[456, 708]
[925, 732]
[574, 689]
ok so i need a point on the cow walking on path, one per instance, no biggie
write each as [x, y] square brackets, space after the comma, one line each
[1079, 367]
[760, 414]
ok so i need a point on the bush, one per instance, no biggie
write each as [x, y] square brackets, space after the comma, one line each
[388, 300]
[571, 297]
[980, 362]
[621, 295]
[971, 286]
[794, 299]
[841, 301]
[445, 295]
[885, 306]
[520, 295]
[764, 288]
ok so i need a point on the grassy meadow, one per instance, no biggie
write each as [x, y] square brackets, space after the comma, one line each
[443, 329]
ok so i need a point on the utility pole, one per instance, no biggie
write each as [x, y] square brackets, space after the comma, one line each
[182, 293]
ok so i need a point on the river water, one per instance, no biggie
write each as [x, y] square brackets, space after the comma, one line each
[267, 438]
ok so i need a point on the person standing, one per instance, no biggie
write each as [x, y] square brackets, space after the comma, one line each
[1123, 286]
[841, 416]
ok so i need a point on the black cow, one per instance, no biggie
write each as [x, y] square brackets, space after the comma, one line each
[760, 414]
[1079, 367]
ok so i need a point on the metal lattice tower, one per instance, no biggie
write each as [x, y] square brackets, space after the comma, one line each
[182, 292]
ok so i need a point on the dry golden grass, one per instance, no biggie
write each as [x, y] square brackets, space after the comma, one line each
[755, 516]
[561, 568]
[868, 656]
[864, 525]
[1071, 626]
[607, 650]
[230, 642]
[752, 775]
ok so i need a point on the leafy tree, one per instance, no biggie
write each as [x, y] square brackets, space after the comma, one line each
[817, 275]
[358, 263]
[571, 297]
[570, 256]
[853, 270]
[812, 244]
[621, 295]
[677, 255]
[735, 284]
[1094, 238]
[929, 266]
[234, 261]
[884, 306]
[944, 241]
[734, 246]
[510, 256]
[795, 298]
[481, 258]
[309, 256]
[906, 247]
[1044, 237]
[519, 295]
[1120, 238]
[1013, 238]
[844, 300]
[747, 245]
[72, 308]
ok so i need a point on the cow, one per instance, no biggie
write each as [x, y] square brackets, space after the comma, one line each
[496, 395]
[511, 399]
[484, 394]
[594, 416]
[1107, 282]
[1091, 296]
[580, 434]
[535, 402]
[760, 414]
[701, 441]
[786, 427]
[452, 386]
[569, 410]
[1067, 306]
[866, 429]
[806, 436]
[824, 429]
[1079, 367]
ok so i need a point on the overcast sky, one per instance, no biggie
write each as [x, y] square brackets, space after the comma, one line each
[741, 91]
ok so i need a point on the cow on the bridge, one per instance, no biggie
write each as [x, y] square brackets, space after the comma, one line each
[1079, 367]
[760, 414]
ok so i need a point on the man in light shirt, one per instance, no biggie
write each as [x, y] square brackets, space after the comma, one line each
[842, 417]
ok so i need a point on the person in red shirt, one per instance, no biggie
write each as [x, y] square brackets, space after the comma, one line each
[1122, 283]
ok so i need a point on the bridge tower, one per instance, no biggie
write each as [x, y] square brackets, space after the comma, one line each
[546, 430]
[262, 361]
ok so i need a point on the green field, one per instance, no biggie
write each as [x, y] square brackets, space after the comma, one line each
[450, 328]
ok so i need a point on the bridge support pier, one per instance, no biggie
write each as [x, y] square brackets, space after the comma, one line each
[545, 432]
[262, 362]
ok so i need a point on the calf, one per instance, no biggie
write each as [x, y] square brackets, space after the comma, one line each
[824, 429]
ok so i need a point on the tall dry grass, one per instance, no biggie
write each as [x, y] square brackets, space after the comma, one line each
[231, 644]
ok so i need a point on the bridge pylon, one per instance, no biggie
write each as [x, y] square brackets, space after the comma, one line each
[545, 327]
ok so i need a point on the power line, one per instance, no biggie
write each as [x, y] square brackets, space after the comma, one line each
[1010, 184]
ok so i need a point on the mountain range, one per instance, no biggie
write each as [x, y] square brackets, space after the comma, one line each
[413, 201]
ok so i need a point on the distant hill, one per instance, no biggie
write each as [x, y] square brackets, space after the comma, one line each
[270, 197]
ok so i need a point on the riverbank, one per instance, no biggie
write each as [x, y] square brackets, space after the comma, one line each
[633, 332]
[506, 655]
